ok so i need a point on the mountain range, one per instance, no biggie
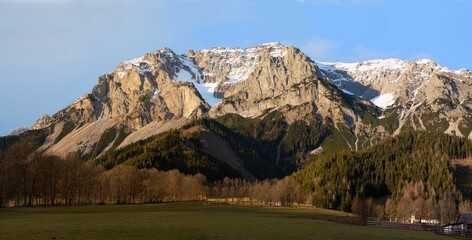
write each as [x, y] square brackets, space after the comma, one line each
[268, 102]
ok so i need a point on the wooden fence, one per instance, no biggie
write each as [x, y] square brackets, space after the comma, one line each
[454, 232]
[420, 227]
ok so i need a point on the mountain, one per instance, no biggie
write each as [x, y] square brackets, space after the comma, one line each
[418, 95]
[162, 90]
[268, 107]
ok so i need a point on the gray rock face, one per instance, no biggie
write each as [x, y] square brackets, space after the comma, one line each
[254, 76]
[42, 122]
[156, 87]
[144, 89]
[162, 90]
[269, 77]
[415, 91]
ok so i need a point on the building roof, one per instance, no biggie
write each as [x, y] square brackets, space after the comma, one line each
[465, 218]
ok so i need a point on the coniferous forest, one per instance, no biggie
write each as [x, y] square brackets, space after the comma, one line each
[411, 160]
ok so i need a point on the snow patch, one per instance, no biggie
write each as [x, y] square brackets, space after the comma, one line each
[246, 64]
[155, 93]
[193, 75]
[240, 61]
[377, 64]
[144, 70]
[346, 91]
[121, 74]
[185, 76]
[384, 100]
[326, 67]
[424, 61]
[136, 63]
[275, 49]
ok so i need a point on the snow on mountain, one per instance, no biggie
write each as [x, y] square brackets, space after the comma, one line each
[382, 78]
[218, 66]
[414, 88]
[192, 74]
[234, 65]
[141, 66]
[162, 90]
[384, 100]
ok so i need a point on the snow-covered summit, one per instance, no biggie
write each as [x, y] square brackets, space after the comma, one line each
[207, 69]
[383, 79]
[376, 64]
[145, 63]
[234, 65]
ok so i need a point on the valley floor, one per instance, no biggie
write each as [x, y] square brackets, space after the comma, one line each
[186, 221]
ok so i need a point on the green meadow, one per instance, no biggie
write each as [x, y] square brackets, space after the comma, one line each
[187, 221]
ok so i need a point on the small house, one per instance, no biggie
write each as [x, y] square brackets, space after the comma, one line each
[462, 226]
[423, 217]
[465, 219]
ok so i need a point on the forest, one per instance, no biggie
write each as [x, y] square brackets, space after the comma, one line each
[409, 173]
[167, 151]
[28, 178]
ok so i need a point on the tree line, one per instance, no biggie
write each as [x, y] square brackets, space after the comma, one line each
[29, 178]
[270, 192]
[422, 201]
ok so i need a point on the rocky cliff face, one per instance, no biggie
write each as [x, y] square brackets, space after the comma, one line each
[42, 122]
[163, 90]
[420, 95]
[269, 77]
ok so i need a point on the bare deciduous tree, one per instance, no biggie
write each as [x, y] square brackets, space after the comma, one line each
[448, 206]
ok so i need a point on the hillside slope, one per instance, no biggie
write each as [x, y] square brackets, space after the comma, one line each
[385, 168]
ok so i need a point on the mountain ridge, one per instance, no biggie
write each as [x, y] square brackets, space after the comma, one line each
[420, 86]
[162, 90]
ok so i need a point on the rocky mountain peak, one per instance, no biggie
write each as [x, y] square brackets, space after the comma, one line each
[412, 89]
[233, 65]
[42, 122]
[372, 79]
[162, 90]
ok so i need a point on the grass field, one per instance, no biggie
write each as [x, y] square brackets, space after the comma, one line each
[184, 221]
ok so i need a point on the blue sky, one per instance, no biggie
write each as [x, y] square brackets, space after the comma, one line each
[52, 51]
